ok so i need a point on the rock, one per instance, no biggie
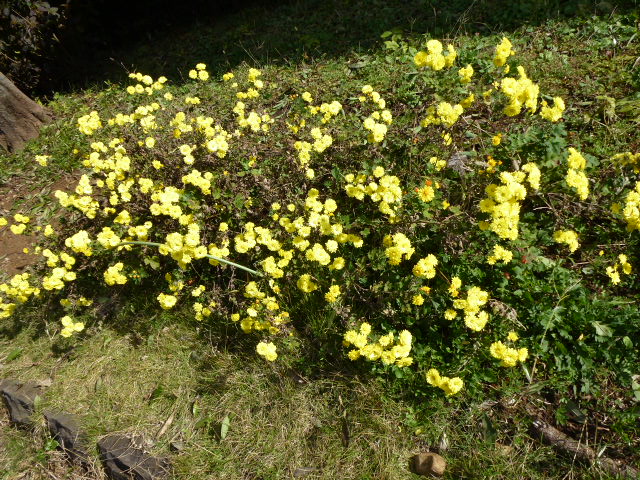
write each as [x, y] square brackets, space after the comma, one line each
[429, 464]
[506, 450]
[124, 459]
[20, 398]
[65, 430]
[304, 471]
[176, 446]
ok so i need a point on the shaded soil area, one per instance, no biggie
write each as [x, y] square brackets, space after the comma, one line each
[103, 40]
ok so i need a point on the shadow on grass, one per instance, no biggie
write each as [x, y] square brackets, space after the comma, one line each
[286, 32]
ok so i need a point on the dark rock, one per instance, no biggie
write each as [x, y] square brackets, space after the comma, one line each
[176, 446]
[429, 464]
[124, 459]
[19, 398]
[65, 430]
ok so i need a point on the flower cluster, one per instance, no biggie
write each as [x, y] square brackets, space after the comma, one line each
[199, 73]
[508, 356]
[388, 349]
[321, 140]
[503, 203]
[576, 178]
[70, 327]
[568, 237]
[146, 84]
[398, 248]
[474, 318]
[21, 225]
[450, 386]
[263, 313]
[426, 267]
[520, 92]
[613, 272]
[631, 211]
[377, 122]
[443, 114]
[503, 51]
[113, 275]
[18, 289]
[500, 254]
[382, 189]
[433, 57]
[553, 114]
[184, 248]
[88, 124]
[465, 74]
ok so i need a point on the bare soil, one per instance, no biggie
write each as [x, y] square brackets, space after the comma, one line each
[13, 259]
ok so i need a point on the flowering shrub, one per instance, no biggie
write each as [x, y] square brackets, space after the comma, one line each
[409, 224]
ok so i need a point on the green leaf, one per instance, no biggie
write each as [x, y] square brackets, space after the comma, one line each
[489, 432]
[14, 354]
[602, 330]
[224, 428]
[152, 262]
[157, 393]
[635, 386]
[627, 342]
[50, 445]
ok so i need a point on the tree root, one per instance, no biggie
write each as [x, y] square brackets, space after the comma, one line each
[565, 444]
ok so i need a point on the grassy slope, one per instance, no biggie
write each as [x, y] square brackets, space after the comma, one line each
[282, 419]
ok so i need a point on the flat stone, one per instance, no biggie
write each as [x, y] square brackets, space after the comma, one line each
[304, 471]
[19, 398]
[124, 459]
[65, 429]
[429, 464]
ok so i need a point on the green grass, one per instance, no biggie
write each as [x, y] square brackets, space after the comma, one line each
[279, 421]
[136, 370]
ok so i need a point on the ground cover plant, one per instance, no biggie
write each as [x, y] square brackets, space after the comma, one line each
[450, 218]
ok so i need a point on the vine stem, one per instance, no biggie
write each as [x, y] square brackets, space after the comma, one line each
[221, 260]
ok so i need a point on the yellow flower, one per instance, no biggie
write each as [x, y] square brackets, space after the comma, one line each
[267, 350]
[553, 114]
[465, 74]
[332, 295]
[42, 159]
[306, 284]
[70, 327]
[113, 275]
[167, 301]
[454, 287]
[433, 377]
[503, 51]
[568, 237]
[417, 300]
[18, 229]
